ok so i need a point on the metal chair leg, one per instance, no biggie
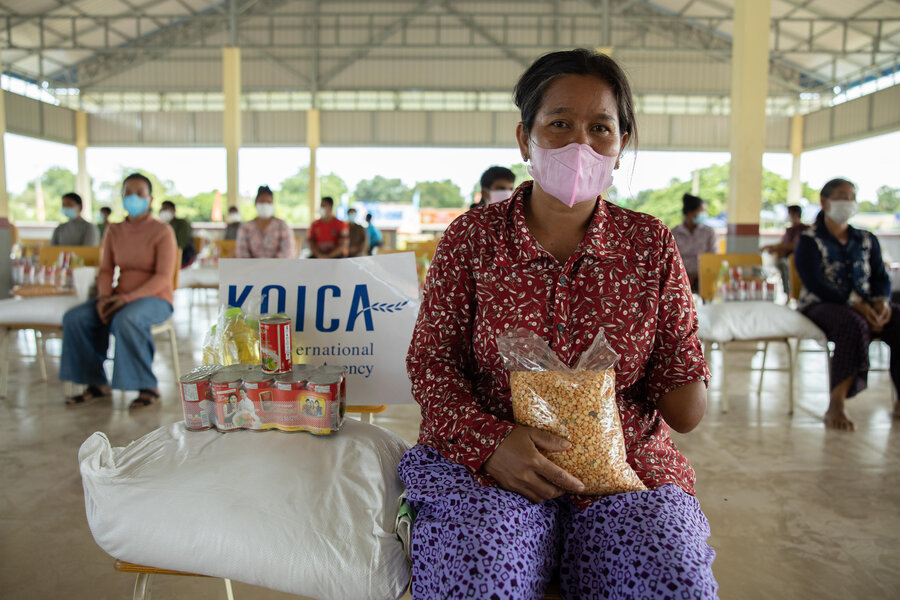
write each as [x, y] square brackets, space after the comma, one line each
[791, 362]
[174, 347]
[40, 348]
[7, 335]
[723, 387]
[142, 587]
[762, 368]
[228, 592]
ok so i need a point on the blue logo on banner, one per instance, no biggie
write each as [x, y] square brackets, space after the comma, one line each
[361, 308]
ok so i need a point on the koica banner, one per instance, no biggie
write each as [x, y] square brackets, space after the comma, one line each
[355, 312]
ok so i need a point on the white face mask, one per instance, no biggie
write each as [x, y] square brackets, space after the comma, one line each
[166, 215]
[840, 211]
[265, 210]
[351, 217]
[234, 217]
[498, 195]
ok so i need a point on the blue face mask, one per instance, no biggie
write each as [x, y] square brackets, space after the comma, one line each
[69, 212]
[135, 205]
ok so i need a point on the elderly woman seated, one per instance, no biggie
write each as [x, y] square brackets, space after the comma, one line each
[846, 292]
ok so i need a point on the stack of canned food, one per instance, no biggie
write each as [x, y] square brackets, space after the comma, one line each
[273, 395]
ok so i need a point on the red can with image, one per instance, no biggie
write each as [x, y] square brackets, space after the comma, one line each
[322, 404]
[226, 390]
[289, 387]
[275, 344]
[260, 389]
[196, 398]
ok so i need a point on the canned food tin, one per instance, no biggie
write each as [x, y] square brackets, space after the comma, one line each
[275, 343]
[226, 390]
[260, 390]
[342, 373]
[321, 404]
[196, 398]
[288, 389]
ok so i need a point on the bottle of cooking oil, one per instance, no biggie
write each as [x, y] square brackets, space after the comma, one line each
[239, 336]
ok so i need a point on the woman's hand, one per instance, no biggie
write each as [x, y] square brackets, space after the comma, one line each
[869, 314]
[882, 310]
[108, 306]
[518, 467]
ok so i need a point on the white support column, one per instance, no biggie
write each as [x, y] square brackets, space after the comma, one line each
[313, 139]
[795, 186]
[82, 179]
[5, 230]
[231, 87]
[749, 89]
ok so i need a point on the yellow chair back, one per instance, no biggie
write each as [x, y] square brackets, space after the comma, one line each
[423, 250]
[89, 254]
[796, 284]
[711, 263]
[226, 248]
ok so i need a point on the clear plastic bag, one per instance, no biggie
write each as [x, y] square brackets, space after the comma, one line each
[576, 404]
[233, 339]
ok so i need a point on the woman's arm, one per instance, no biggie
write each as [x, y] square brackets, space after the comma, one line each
[286, 244]
[440, 366]
[107, 264]
[684, 407]
[879, 281]
[676, 372]
[440, 361]
[808, 261]
[242, 247]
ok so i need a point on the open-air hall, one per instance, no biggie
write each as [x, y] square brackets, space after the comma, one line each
[796, 509]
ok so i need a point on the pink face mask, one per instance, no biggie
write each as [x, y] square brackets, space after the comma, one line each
[573, 173]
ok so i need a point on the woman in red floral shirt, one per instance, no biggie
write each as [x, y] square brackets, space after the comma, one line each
[496, 519]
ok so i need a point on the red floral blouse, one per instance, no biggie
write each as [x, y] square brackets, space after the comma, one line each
[489, 275]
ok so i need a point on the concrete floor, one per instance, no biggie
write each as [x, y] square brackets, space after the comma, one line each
[796, 511]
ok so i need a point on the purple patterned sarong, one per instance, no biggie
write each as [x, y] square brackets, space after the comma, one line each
[475, 541]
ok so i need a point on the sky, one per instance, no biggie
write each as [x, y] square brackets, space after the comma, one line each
[870, 163]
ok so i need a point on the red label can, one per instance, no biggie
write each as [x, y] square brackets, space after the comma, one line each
[289, 388]
[322, 403]
[196, 398]
[275, 344]
[226, 390]
[260, 389]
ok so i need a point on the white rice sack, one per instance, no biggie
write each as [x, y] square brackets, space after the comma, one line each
[307, 515]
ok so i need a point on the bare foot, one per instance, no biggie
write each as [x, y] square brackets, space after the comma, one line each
[838, 419]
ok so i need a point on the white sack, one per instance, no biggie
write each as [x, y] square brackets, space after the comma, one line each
[293, 512]
[735, 321]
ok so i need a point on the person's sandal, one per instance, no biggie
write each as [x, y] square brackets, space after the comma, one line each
[145, 398]
[89, 395]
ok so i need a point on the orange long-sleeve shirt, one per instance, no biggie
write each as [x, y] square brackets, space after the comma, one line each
[144, 251]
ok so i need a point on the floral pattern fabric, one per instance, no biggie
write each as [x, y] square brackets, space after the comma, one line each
[489, 275]
[276, 241]
[831, 272]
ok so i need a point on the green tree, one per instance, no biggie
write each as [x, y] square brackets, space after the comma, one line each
[439, 194]
[55, 182]
[381, 189]
[665, 204]
[888, 199]
[292, 200]
[196, 208]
